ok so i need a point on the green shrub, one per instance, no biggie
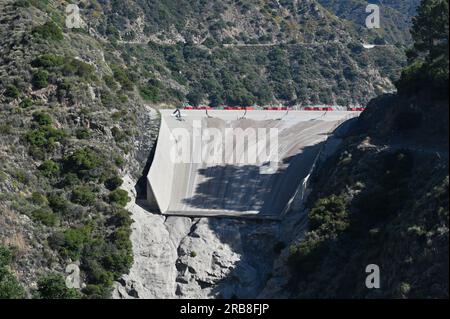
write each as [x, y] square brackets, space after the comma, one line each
[79, 68]
[69, 180]
[48, 31]
[108, 99]
[39, 199]
[123, 98]
[10, 288]
[428, 58]
[109, 81]
[40, 79]
[70, 243]
[122, 77]
[412, 76]
[43, 139]
[117, 116]
[45, 217]
[305, 255]
[119, 161]
[98, 275]
[105, 261]
[85, 162]
[6, 129]
[12, 91]
[21, 4]
[83, 195]
[150, 93]
[49, 169]
[26, 103]
[195, 98]
[48, 61]
[37, 138]
[120, 218]
[5, 256]
[53, 286]
[121, 238]
[113, 183]
[118, 262]
[118, 134]
[42, 118]
[327, 220]
[119, 197]
[97, 291]
[21, 176]
[329, 215]
[83, 134]
[58, 203]
[403, 290]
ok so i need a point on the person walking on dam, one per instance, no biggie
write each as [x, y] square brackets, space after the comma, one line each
[177, 113]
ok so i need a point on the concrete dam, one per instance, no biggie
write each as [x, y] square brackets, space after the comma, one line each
[235, 163]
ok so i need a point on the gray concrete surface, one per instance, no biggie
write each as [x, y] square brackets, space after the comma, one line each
[232, 187]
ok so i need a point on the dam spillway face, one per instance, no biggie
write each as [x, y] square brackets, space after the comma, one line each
[231, 163]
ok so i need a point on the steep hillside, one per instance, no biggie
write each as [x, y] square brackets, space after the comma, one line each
[395, 18]
[246, 52]
[221, 22]
[383, 197]
[68, 132]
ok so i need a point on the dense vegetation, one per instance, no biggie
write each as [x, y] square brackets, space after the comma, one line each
[201, 52]
[53, 286]
[384, 215]
[395, 18]
[9, 286]
[428, 58]
[59, 102]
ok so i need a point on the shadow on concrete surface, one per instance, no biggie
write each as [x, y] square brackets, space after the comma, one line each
[245, 188]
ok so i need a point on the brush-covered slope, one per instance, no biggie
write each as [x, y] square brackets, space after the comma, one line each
[395, 18]
[383, 197]
[68, 130]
